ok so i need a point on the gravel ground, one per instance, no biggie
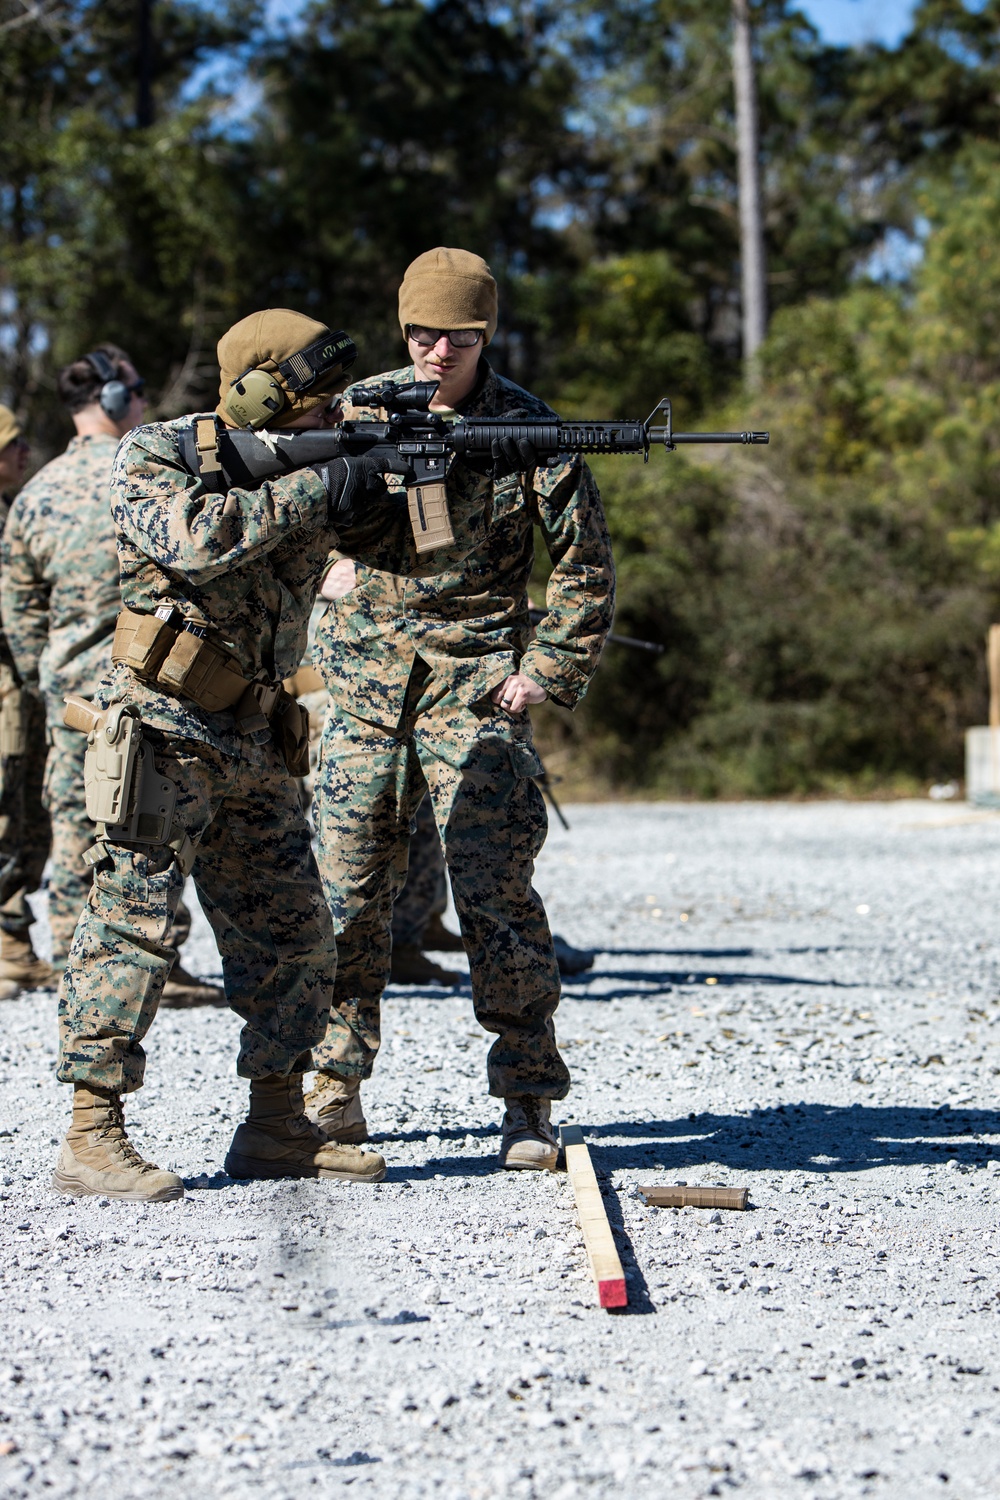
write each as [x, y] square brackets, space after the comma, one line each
[799, 999]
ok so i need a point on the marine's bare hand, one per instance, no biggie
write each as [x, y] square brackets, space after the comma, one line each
[516, 692]
[340, 580]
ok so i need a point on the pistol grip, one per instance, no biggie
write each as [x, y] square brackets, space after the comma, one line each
[81, 714]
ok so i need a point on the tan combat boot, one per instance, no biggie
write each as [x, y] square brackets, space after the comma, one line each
[334, 1106]
[277, 1140]
[529, 1142]
[410, 965]
[439, 939]
[182, 990]
[98, 1157]
[20, 966]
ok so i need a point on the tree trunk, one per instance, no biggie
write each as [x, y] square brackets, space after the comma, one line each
[753, 269]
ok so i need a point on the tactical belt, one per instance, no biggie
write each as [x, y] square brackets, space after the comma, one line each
[305, 680]
[172, 653]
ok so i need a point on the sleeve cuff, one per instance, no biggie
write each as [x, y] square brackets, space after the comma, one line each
[309, 495]
[562, 679]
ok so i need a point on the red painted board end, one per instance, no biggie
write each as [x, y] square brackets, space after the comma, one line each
[612, 1293]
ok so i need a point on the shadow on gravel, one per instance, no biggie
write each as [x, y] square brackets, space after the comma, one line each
[805, 1137]
[442, 1166]
[455, 1133]
[639, 1301]
[666, 979]
[707, 952]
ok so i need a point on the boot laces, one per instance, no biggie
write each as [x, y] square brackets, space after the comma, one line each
[534, 1113]
[327, 1095]
[112, 1132]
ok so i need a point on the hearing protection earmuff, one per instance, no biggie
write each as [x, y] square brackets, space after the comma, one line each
[257, 396]
[115, 397]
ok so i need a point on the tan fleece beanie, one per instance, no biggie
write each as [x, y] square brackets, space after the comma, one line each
[10, 427]
[449, 289]
[263, 341]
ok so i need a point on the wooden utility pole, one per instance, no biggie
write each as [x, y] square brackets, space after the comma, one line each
[752, 263]
[144, 66]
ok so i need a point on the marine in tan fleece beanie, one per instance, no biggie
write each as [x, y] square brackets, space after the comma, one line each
[446, 288]
[268, 340]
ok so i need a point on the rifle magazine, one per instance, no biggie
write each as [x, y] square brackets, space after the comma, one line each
[429, 517]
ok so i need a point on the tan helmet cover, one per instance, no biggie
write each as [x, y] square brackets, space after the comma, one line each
[449, 289]
[10, 427]
[261, 342]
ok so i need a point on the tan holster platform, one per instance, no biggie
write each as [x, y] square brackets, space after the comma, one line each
[126, 796]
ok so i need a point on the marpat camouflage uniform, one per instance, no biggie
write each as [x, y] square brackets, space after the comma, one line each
[24, 824]
[425, 892]
[59, 594]
[59, 597]
[247, 563]
[415, 652]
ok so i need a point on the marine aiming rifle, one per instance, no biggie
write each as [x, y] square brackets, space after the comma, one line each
[243, 458]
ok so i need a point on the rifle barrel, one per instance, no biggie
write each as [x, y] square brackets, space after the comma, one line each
[663, 434]
[636, 643]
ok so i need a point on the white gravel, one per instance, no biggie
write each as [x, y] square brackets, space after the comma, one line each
[801, 999]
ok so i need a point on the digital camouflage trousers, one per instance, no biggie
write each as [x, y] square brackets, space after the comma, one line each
[257, 881]
[24, 824]
[477, 763]
[72, 835]
[425, 892]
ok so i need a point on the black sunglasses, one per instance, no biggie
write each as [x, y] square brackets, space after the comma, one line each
[459, 338]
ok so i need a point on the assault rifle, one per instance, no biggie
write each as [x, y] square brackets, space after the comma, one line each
[424, 438]
[538, 615]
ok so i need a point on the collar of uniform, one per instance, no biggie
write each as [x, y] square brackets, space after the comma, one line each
[86, 439]
[481, 397]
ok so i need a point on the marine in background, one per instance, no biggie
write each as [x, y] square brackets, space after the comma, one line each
[60, 598]
[24, 823]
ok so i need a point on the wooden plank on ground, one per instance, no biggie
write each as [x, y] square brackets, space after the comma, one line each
[605, 1266]
[663, 1195]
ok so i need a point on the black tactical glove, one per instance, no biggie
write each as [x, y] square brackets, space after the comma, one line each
[507, 456]
[513, 456]
[354, 484]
